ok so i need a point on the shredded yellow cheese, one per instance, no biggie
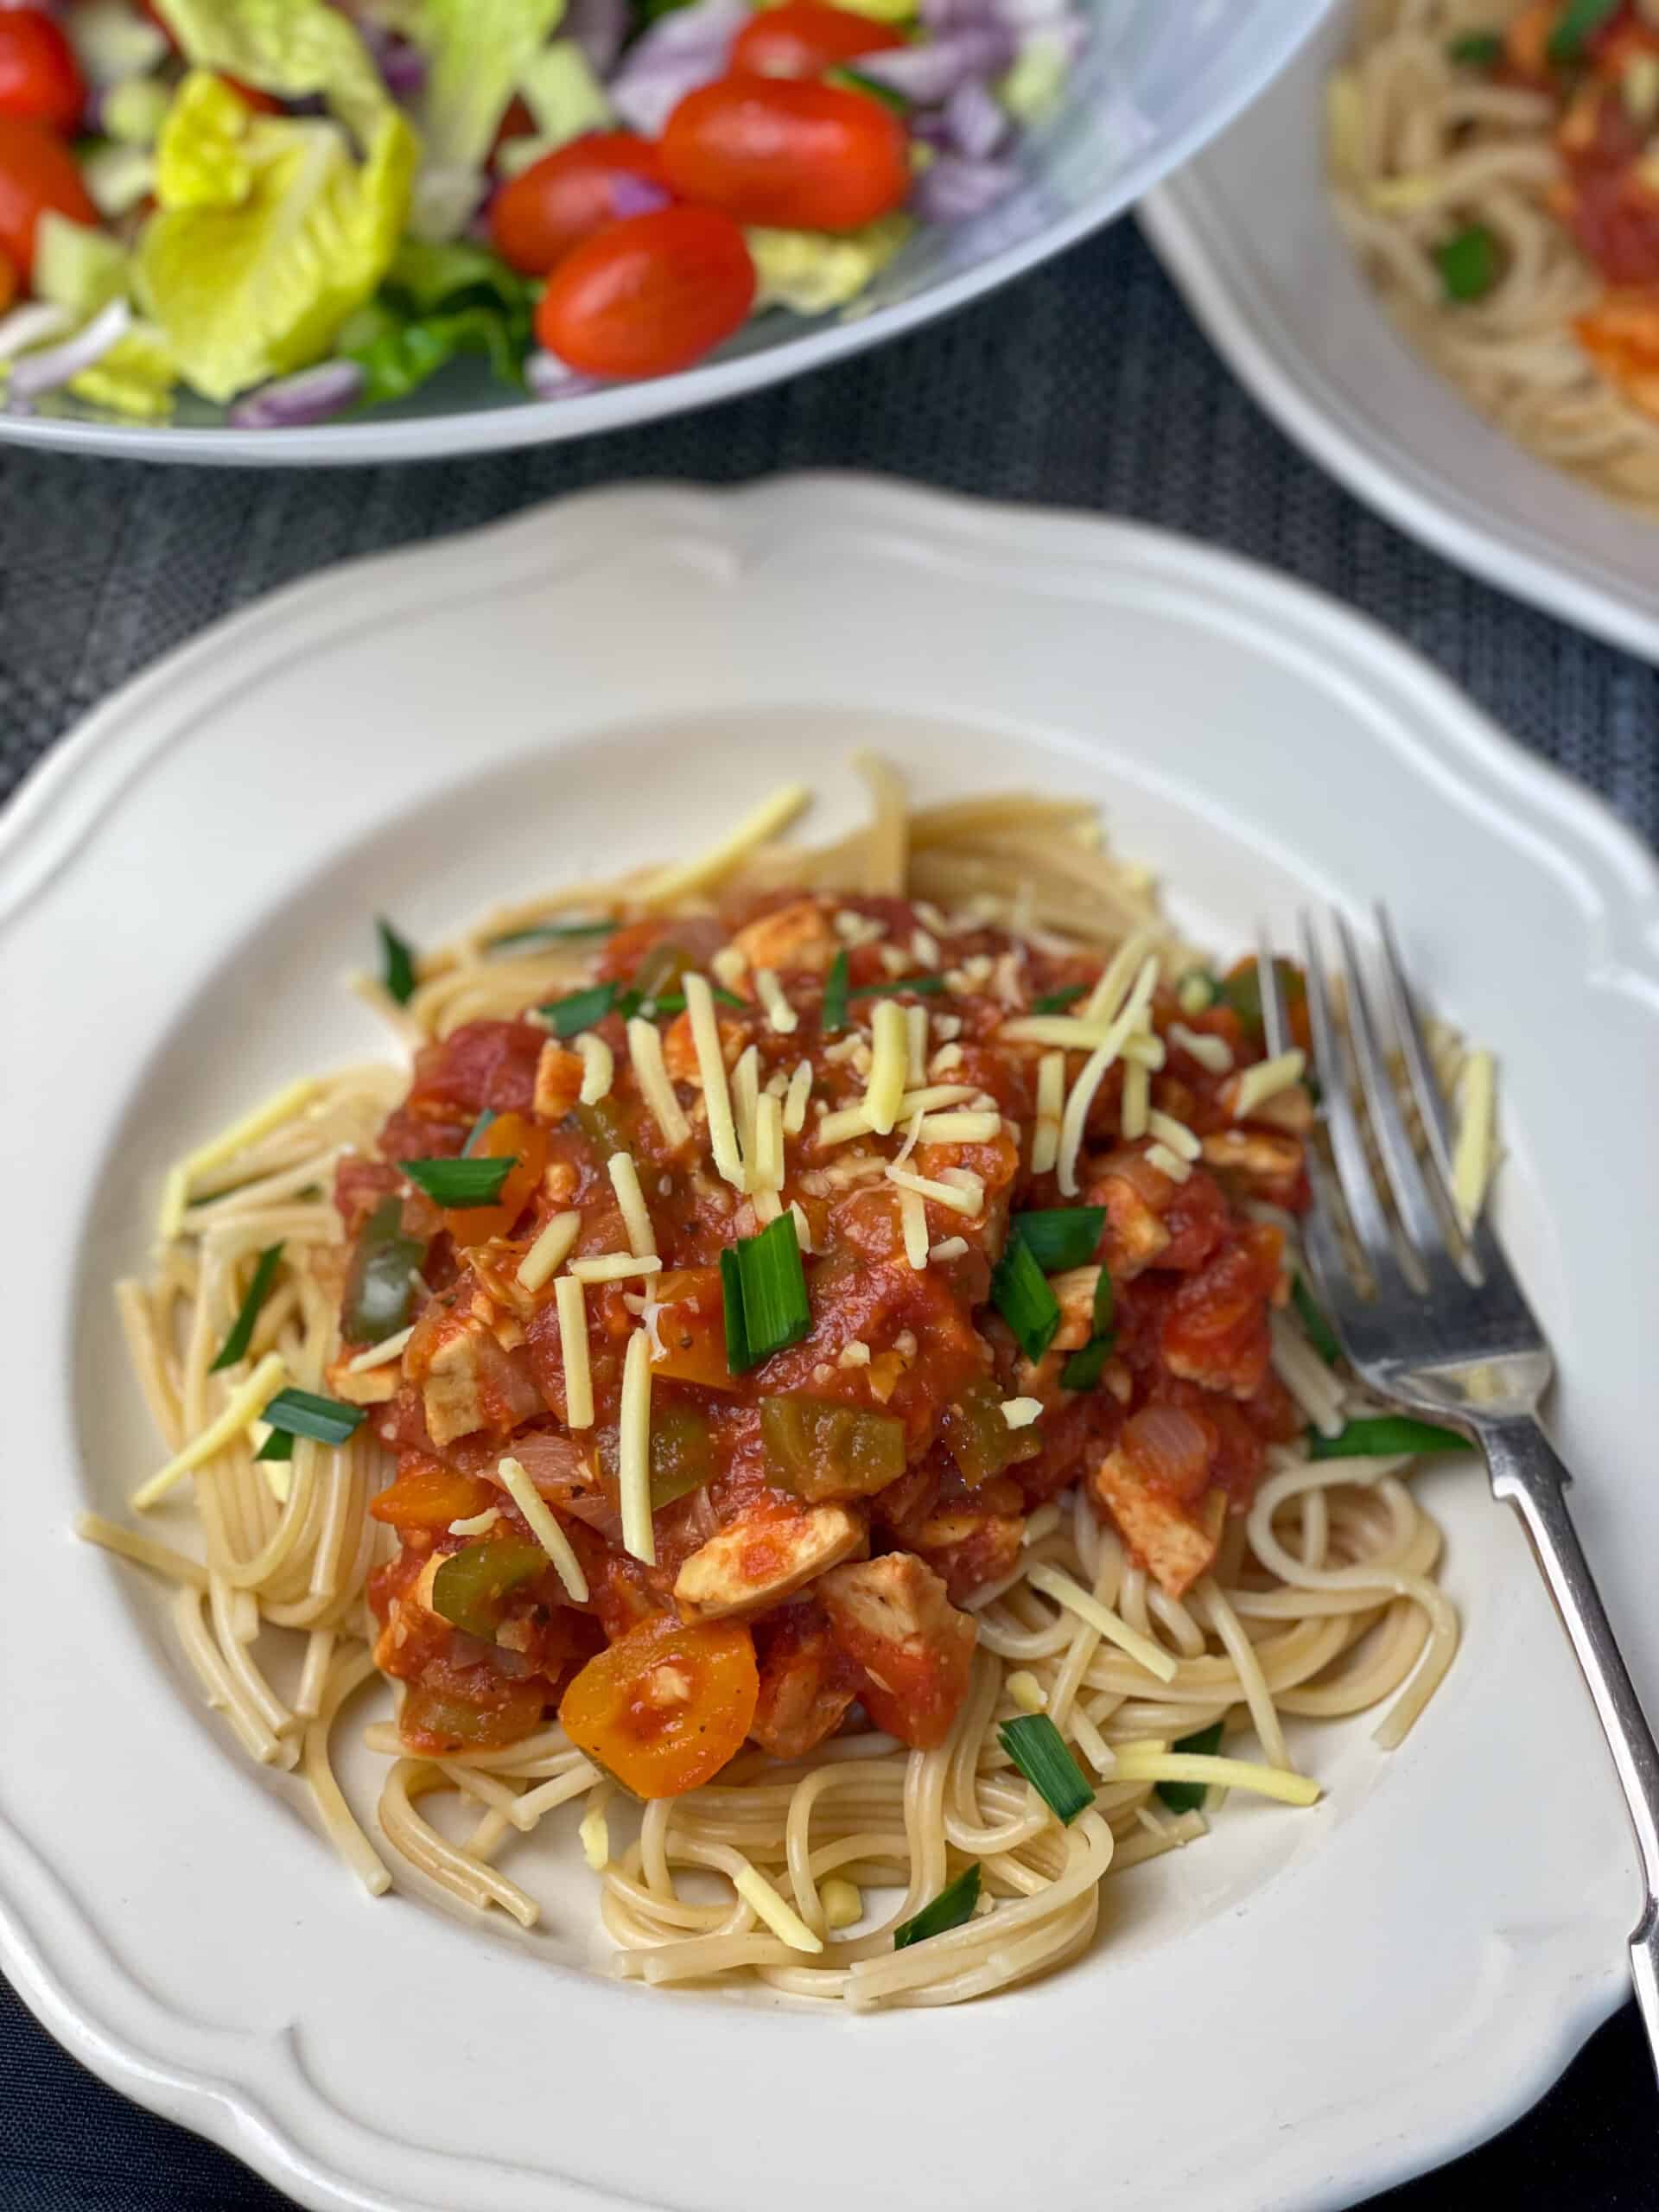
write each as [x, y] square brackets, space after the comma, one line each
[1144, 1050]
[646, 1049]
[969, 1199]
[711, 1065]
[729, 966]
[1107, 997]
[746, 1098]
[947, 1247]
[593, 1831]
[474, 1524]
[1265, 1080]
[633, 1450]
[636, 1214]
[1471, 1161]
[615, 1267]
[769, 1146]
[912, 1216]
[843, 1903]
[1021, 1413]
[916, 1044]
[800, 1090]
[1026, 1691]
[890, 1060]
[958, 1128]
[1135, 1109]
[573, 1344]
[1059, 1585]
[597, 1068]
[1087, 1083]
[545, 1529]
[380, 1355]
[176, 1192]
[1144, 1762]
[242, 1405]
[1176, 1135]
[1169, 1162]
[783, 1921]
[1212, 1052]
[1051, 1103]
[550, 1251]
[1070, 1031]
[781, 1015]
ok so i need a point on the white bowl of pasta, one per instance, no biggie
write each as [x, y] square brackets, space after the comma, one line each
[894, 1652]
[1381, 249]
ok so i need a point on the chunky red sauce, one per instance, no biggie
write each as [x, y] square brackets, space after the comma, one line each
[850, 1575]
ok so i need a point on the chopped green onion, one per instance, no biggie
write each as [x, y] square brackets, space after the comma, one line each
[1061, 1236]
[1189, 1796]
[302, 1413]
[1468, 262]
[552, 933]
[765, 1288]
[855, 81]
[1105, 1303]
[1579, 20]
[1037, 1748]
[1058, 1002]
[674, 1002]
[279, 1445]
[459, 1183]
[477, 1131]
[397, 971]
[1477, 49]
[569, 1017]
[954, 1904]
[1021, 1294]
[1320, 1334]
[835, 995]
[241, 1330]
[925, 985]
[1084, 1369]
[1386, 1434]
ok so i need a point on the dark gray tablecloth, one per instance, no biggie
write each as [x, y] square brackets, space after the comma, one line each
[1086, 385]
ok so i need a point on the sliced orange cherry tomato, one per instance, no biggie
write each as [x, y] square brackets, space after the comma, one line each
[692, 1329]
[40, 76]
[431, 1497]
[798, 156]
[666, 1706]
[648, 295]
[510, 1136]
[37, 171]
[567, 195]
[805, 37]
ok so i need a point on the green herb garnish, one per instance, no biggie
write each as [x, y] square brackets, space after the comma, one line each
[1021, 1294]
[1084, 1369]
[569, 1017]
[1189, 1796]
[302, 1413]
[1468, 262]
[552, 933]
[926, 986]
[1579, 20]
[954, 1904]
[1058, 1002]
[1037, 1748]
[1320, 1334]
[1061, 1236]
[459, 1183]
[1383, 1435]
[396, 963]
[241, 1330]
[1477, 49]
[764, 1291]
[477, 1131]
[834, 1015]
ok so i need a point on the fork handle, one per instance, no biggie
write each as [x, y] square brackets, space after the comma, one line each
[1527, 1472]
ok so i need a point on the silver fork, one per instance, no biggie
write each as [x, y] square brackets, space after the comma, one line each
[1444, 1329]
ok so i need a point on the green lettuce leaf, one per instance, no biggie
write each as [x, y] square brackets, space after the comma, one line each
[477, 53]
[439, 300]
[267, 234]
[292, 48]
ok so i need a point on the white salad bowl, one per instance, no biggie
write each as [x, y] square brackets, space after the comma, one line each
[1156, 83]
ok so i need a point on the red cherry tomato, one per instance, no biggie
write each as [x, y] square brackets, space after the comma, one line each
[37, 171]
[800, 157]
[649, 294]
[804, 37]
[39, 74]
[566, 196]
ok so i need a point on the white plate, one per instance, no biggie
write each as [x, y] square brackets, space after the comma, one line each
[1246, 231]
[1297, 2011]
[1156, 82]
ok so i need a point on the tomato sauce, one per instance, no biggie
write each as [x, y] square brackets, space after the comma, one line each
[919, 1359]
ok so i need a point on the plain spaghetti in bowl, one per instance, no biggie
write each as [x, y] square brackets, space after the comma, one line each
[806, 1380]
[1495, 167]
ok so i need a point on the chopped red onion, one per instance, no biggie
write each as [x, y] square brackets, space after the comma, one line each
[402, 66]
[600, 28]
[51, 366]
[36, 323]
[976, 122]
[634, 196]
[295, 402]
[677, 54]
[549, 379]
[929, 74]
[952, 189]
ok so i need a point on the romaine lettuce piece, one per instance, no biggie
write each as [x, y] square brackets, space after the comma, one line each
[267, 235]
[293, 48]
[477, 54]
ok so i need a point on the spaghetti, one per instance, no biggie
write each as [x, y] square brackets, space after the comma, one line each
[1490, 163]
[904, 1534]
